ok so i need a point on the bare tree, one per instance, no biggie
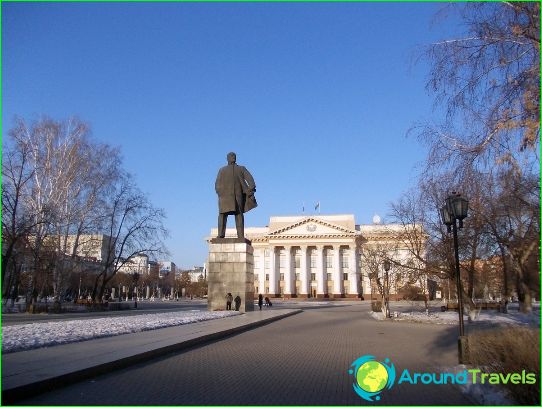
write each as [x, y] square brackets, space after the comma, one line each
[134, 227]
[488, 81]
[429, 244]
[373, 257]
[182, 282]
[17, 222]
[58, 185]
[513, 216]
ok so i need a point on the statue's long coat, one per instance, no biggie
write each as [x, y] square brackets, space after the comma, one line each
[234, 184]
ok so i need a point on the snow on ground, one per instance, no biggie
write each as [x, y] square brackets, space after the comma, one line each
[17, 338]
[451, 317]
[484, 394]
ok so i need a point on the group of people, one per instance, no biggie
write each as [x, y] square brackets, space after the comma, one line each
[268, 303]
[237, 301]
[230, 299]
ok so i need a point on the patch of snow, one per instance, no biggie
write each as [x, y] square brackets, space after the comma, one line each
[377, 315]
[484, 394]
[17, 338]
[452, 318]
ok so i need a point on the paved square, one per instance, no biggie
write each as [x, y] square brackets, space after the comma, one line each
[303, 359]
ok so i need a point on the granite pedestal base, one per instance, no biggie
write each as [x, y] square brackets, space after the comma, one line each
[231, 270]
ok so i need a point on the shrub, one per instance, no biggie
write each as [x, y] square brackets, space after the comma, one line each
[509, 350]
[376, 306]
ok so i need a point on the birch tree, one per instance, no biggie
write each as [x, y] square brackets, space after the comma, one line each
[487, 80]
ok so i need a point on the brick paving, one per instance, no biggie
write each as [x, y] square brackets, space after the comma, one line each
[300, 360]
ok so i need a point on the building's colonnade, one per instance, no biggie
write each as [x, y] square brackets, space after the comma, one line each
[306, 271]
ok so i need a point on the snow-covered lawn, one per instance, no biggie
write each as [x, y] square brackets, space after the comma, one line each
[484, 394]
[36, 335]
[451, 317]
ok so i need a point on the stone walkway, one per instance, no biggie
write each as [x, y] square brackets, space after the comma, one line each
[34, 371]
[300, 360]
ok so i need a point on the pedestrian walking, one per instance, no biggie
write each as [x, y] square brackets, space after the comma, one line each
[229, 299]
[260, 301]
[237, 303]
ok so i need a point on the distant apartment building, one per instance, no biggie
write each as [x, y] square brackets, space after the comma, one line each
[90, 247]
[198, 273]
[137, 264]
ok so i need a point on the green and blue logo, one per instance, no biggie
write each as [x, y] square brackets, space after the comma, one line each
[372, 377]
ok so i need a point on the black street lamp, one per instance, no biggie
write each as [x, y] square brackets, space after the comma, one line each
[456, 209]
[387, 266]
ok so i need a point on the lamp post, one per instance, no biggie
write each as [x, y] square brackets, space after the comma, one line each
[453, 213]
[387, 266]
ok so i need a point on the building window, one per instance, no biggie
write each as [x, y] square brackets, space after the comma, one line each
[328, 277]
[329, 259]
[345, 260]
[267, 290]
[267, 277]
[266, 264]
[256, 276]
[281, 276]
[313, 260]
[298, 276]
[313, 276]
[282, 259]
[345, 276]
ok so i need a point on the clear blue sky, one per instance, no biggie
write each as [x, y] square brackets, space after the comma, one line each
[315, 99]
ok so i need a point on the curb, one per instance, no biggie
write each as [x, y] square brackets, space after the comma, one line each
[15, 394]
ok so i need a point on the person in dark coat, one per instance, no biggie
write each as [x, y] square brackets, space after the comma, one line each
[237, 303]
[235, 188]
[260, 301]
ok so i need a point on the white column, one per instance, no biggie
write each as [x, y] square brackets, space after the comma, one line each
[322, 283]
[366, 281]
[288, 271]
[261, 281]
[337, 272]
[353, 272]
[273, 280]
[304, 273]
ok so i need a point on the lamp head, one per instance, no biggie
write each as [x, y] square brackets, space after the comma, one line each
[387, 265]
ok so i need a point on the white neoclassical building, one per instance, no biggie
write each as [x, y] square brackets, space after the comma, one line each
[315, 256]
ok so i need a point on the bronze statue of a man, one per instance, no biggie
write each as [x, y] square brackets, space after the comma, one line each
[235, 188]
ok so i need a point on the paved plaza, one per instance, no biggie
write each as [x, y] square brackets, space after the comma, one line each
[302, 359]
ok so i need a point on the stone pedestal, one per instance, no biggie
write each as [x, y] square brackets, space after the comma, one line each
[231, 270]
